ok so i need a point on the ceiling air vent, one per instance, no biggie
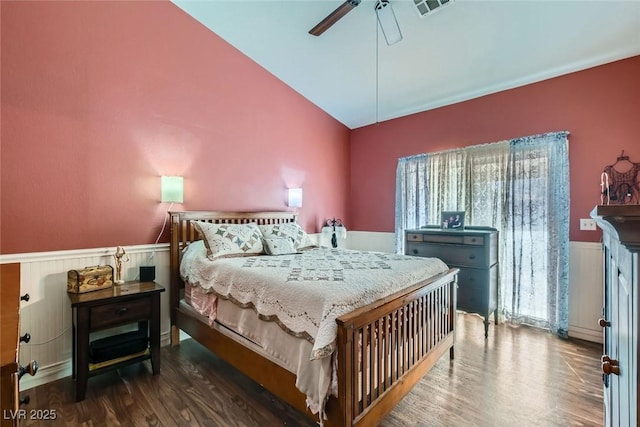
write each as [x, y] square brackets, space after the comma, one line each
[429, 6]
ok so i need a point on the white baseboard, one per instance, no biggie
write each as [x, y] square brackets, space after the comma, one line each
[371, 241]
[46, 374]
[585, 334]
[60, 370]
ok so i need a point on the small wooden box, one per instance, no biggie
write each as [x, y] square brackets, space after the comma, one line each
[90, 279]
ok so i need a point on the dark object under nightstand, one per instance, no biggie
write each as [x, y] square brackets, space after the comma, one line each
[474, 251]
[120, 305]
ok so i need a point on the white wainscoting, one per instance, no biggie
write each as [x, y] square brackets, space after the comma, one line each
[371, 241]
[47, 314]
[586, 296]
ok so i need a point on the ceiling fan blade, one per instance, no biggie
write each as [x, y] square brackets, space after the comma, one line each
[334, 17]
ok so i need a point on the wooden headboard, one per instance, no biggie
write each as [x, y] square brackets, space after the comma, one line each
[183, 233]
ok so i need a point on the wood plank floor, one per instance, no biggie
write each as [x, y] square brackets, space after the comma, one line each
[519, 376]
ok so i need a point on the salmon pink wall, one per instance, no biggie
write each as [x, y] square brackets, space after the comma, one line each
[99, 99]
[599, 106]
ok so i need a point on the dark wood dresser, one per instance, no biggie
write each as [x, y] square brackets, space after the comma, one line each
[620, 225]
[474, 251]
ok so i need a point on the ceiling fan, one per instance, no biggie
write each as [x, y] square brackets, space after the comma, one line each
[385, 14]
[334, 17]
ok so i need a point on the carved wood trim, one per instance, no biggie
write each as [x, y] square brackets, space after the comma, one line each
[622, 221]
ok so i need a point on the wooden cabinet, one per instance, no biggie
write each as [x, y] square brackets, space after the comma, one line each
[474, 251]
[10, 370]
[621, 243]
[121, 305]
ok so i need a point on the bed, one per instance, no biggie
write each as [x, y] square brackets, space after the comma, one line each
[380, 350]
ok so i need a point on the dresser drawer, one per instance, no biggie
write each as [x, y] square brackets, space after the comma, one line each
[414, 237]
[473, 290]
[474, 240]
[452, 255]
[446, 238]
[119, 313]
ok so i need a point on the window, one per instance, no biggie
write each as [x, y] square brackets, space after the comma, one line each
[520, 187]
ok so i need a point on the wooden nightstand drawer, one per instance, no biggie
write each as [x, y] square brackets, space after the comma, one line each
[119, 313]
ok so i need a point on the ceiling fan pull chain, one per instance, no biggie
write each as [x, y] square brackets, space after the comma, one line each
[377, 71]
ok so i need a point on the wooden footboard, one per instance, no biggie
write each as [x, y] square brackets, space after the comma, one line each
[386, 347]
[383, 349]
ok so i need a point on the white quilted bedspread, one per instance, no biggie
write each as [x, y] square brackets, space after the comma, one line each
[306, 292]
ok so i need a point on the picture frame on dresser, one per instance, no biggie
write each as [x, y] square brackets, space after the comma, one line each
[452, 220]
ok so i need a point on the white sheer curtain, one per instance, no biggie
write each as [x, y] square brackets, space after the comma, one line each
[411, 196]
[418, 204]
[519, 187]
[535, 233]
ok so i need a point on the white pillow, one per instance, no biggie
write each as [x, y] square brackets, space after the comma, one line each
[279, 246]
[291, 230]
[229, 240]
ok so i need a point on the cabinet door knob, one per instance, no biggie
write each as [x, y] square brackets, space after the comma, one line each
[122, 310]
[604, 323]
[25, 338]
[608, 369]
[25, 297]
[610, 366]
[415, 251]
[31, 369]
[25, 400]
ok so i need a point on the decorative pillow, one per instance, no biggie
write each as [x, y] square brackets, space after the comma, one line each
[279, 246]
[289, 229]
[229, 240]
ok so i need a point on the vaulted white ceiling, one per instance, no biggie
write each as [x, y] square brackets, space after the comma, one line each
[466, 49]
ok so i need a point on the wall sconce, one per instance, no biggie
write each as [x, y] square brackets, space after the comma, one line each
[295, 198]
[172, 189]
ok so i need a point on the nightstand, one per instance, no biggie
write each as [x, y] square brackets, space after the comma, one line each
[120, 305]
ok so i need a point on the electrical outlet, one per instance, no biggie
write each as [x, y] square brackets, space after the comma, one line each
[587, 224]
